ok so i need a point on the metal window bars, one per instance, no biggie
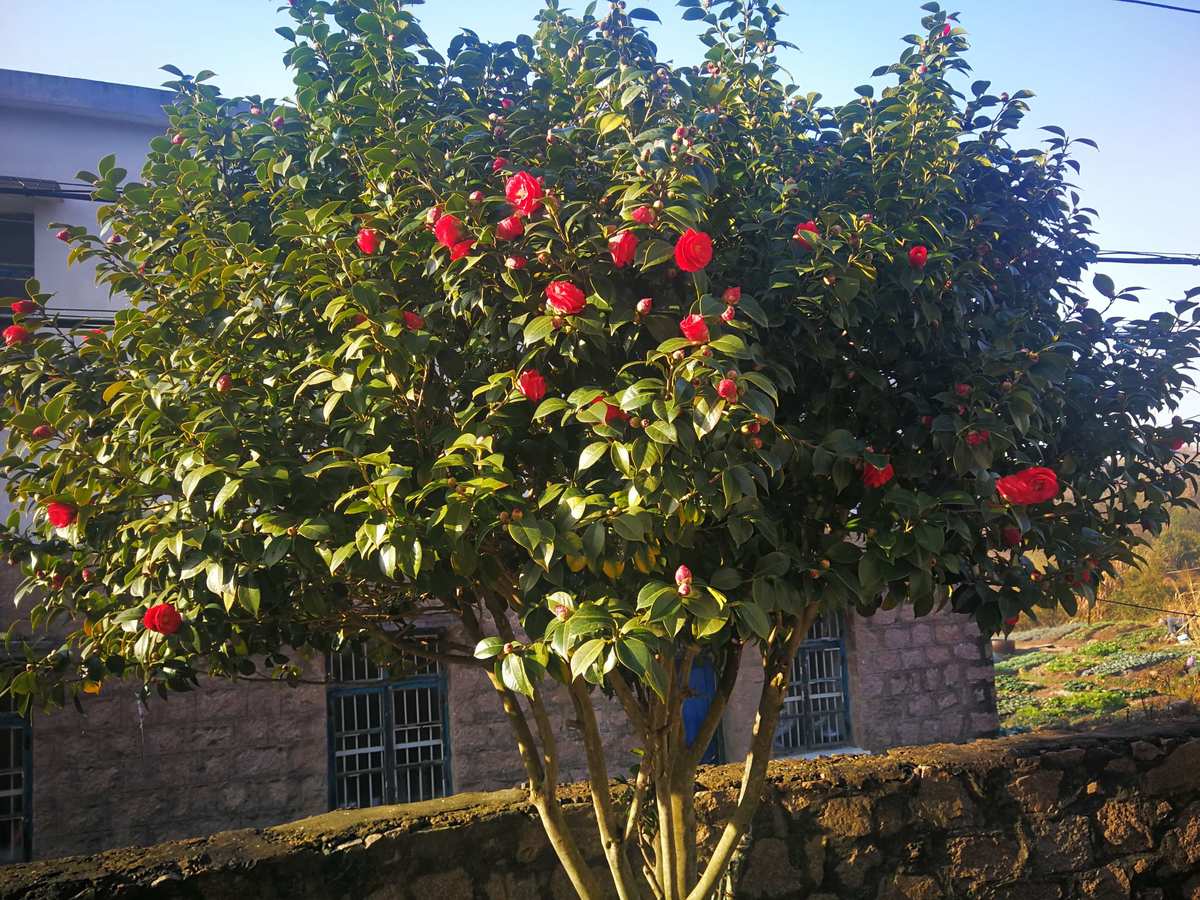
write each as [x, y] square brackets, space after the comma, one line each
[15, 767]
[816, 710]
[388, 734]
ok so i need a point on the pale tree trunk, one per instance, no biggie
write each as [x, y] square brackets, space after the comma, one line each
[668, 853]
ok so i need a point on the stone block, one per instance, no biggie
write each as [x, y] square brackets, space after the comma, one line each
[1178, 773]
[910, 887]
[847, 817]
[1062, 846]
[1037, 792]
[943, 802]
[984, 857]
[1125, 826]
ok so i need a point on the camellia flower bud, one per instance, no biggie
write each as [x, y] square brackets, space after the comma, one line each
[645, 305]
[683, 575]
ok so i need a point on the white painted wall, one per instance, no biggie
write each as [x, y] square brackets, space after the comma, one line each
[48, 131]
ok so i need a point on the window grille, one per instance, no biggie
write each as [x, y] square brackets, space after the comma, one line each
[15, 768]
[816, 710]
[16, 254]
[389, 741]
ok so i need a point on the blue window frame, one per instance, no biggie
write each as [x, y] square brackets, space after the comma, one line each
[816, 710]
[16, 785]
[388, 731]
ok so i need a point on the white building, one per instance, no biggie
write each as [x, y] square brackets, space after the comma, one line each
[52, 128]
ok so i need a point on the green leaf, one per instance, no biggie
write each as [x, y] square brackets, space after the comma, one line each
[610, 121]
[538, 330]
[662, 432]
[755, 620]
[515, 675]
[591, 454]
[489, 647]
[585, 655]
[194, 477]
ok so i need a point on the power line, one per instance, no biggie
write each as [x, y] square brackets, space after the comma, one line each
[1174, 612]
[1161, 6]
[1147, 257]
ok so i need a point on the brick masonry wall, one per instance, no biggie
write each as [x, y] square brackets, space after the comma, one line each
[1102, 816]
[228, 755]
[483, 751]
[919, 680]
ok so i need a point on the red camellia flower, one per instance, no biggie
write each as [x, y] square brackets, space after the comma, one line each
[645, 305]
[612, 414]
[448, 231]
[24, 307]
[163, 618]
[461, 249]
[946, 30]
[1036, 484]
[693, 250]
[532, 385]
[728, 313]
[683, 575]
[412, 321]
[525, 193]
[1011, 536]
[60, 514]
[14, 335]
[963, 390]
[874, 477]
[566, 298]
[509, 228]
[514, 262]
[432, 215]
[42, 432]
[727, 389]
[918, 256]
[694, 328]
[622, 246]
[644, 215]
[975, 438]
[498, 163]
[367, 240]
[803, 230]
[732, 295]
[506, 103]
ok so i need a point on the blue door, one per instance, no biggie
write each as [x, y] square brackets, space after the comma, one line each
[703, 685]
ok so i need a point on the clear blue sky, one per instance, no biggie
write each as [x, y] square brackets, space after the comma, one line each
[1118, 73]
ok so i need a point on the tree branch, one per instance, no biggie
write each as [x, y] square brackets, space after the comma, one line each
[778, 669]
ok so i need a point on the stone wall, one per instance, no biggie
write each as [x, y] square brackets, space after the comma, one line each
[1102, 815]
[919, 680]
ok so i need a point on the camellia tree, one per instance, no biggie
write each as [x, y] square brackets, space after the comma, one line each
[621, 364]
